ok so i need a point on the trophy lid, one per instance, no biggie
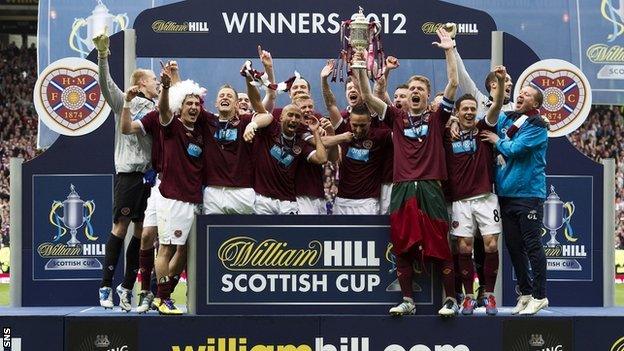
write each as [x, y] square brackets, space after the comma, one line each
[100, 8]
[553, 195]
[72, 194]
[359, 16]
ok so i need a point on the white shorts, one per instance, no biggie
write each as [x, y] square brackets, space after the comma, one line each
[369, 206]
[225, 200]
[384, 198]
[152, 205]
[268, 206]
[311, 205]
[482, 211]
[175, 219]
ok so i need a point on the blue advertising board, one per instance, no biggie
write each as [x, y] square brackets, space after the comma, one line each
[283, 264]
[601, 48]
[569, 243]
[71, 222]
[23, 331]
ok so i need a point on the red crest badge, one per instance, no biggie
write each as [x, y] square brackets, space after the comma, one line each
[68, 98]
[566, 91]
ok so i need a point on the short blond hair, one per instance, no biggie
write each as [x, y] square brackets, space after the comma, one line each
[422, 79]
[139, 74]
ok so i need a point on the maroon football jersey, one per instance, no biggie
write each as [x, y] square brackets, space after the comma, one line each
[418, 145]
[388, 159]
[362, 163]
[227, 156]
[470, 163]
[309, 176]
[182, 162]
[277, 159]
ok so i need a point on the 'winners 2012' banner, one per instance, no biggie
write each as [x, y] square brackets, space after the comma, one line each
[263, 262]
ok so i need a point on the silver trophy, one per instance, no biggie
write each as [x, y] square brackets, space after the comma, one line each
[553, 216]
[359, 36]
[74, 215]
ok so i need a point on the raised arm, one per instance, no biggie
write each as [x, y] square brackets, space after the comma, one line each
[164, 111]
[374, 103]
[381, 84]
[333, 151]
[267, 61]
[173, 70]
[262, 117]
[320, 156]
[446, 43]
[128, 126]
[328, 96]
[111, 92]
[254, 96]
[497, 104]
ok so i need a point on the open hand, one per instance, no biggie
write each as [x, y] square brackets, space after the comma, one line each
[446, 42]
[327, 70]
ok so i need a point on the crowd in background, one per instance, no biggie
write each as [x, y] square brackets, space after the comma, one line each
[602, 136]
[18, 120]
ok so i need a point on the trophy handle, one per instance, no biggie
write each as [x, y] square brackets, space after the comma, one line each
[56, 220]
[89, 206]
[74, 36]
[121, 21]
[568, 232]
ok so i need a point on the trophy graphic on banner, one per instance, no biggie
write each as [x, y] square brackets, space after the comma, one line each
[554, 217]
[99, 22]
[360, 34]
[394, 286]
[76, 213]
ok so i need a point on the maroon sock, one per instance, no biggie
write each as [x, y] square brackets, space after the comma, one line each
[448, 276]
[405, 271]
[458, 279]
[490, 270]
[146, 264]
[174, 281]
[164, 289]
[467, 271]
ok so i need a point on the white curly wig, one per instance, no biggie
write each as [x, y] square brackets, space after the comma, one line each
[179, 92]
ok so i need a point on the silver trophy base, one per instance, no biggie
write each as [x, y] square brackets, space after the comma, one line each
[358, 65]
[553, 240]
[73, 242]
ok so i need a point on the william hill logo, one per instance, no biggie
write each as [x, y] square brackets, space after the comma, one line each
[430, 28]
[346, 344]
[162, 26]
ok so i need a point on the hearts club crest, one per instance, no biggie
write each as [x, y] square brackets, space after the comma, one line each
[566, 90]
[68, 98]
